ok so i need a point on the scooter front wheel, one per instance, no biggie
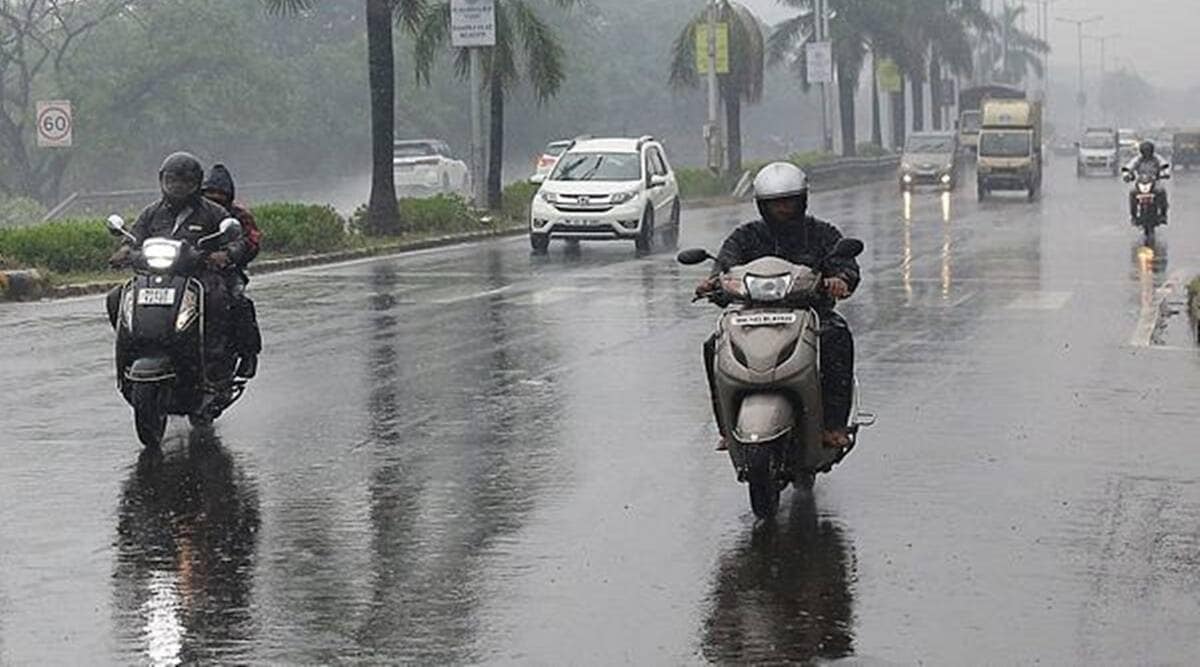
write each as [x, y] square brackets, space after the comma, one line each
[764, 490]
[149, 417]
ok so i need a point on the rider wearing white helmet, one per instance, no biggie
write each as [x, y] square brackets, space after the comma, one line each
[786, 230]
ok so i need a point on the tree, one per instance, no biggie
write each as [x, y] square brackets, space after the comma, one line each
[519, 32]
[744, 82]
[1011, 51]
[37, 40]
[852, 29]
[383, 213]
[937, 35]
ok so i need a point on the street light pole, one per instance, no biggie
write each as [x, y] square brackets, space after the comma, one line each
[1103, 39]
[1081, 98]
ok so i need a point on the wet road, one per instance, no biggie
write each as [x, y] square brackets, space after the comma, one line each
[469, 455]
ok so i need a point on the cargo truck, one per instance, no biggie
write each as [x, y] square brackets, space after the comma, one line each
[1010, 147]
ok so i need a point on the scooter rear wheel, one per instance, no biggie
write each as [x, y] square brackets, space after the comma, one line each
[148, 415]
[764, 491]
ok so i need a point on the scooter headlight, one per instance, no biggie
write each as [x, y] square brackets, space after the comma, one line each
[189, 308]
[127, 308]
[769, 288]
[160, 255]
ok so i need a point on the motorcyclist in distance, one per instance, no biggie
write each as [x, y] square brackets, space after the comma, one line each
[1147, 160]
[786, 230]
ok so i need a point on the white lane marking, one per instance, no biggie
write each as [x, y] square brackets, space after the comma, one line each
[1151, 313]
[1040, 301]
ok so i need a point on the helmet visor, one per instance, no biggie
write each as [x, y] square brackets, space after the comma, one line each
[178, 186]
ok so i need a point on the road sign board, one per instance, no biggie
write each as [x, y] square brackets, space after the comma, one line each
[722, 48]
[889, 76]
[472, 23]
[54, 124]
[820, 62]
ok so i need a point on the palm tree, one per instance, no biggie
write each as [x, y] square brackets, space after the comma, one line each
[383, 213]
[744, 82]
[1012, 51]
[518, 28]
[852, 29]
[933, 35]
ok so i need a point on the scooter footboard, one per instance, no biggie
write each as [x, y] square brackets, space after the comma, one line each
[763, 418]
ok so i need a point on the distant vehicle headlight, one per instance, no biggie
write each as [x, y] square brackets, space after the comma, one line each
[946, 178]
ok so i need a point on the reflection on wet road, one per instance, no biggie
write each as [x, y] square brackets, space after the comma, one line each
[471, 455]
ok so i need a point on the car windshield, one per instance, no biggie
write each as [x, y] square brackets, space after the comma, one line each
[929, 145]
[413, 150]
[598, 167]
[1097, 141]
[1004, 144]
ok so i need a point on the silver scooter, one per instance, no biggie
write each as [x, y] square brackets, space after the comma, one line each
[767, 373]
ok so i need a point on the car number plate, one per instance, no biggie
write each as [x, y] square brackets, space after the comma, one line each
[764, 319]
[577, 223]
[153, 296]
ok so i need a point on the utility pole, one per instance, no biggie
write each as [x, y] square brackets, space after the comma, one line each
[712, 131]
[1081, 98]
[1103, 39]
[478, 188]
[823, 35]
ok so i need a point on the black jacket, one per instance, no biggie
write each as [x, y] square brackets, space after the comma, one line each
[806, 244]
[194, 220]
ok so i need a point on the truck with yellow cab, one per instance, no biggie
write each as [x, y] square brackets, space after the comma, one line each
[1010, 147]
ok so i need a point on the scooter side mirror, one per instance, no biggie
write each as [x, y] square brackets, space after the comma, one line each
[116, 226]
[693, 256]
[847, 248]
[231, 229]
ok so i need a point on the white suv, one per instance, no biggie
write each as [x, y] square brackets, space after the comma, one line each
[425, 167]
[608, 189]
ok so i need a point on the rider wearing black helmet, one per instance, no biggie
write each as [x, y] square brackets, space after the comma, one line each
[1150, 161]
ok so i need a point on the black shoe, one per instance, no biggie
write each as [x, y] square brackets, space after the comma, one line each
[248, 367]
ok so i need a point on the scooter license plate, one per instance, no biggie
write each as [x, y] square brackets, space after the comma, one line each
[764, 319]
[156, 296]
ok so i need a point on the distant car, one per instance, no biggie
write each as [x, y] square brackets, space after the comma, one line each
[424, 167]
[608, 189]
[1098, 151]
[549, 158]
[1187, 148]
[930, 158]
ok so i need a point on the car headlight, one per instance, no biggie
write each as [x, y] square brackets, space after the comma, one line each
[127, 307]
[623, 197]
[769, 288]
[908, 178]
[549, 197]
[946, 178]
[189, 307]
[160, 255]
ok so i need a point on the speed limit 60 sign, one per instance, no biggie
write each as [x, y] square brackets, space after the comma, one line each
[54, 124]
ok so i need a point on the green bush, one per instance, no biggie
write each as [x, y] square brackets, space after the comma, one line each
[871, 150]
[517, 199]
[63, 246]
[698, 183]
[291, 229]
[440, 213]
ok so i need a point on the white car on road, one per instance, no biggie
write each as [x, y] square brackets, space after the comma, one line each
[427, 167]
[608, 189]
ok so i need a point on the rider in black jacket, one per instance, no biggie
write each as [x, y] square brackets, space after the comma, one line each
[786, 230]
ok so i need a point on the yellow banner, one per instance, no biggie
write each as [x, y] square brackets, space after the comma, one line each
[889, 76]
[722, 48]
